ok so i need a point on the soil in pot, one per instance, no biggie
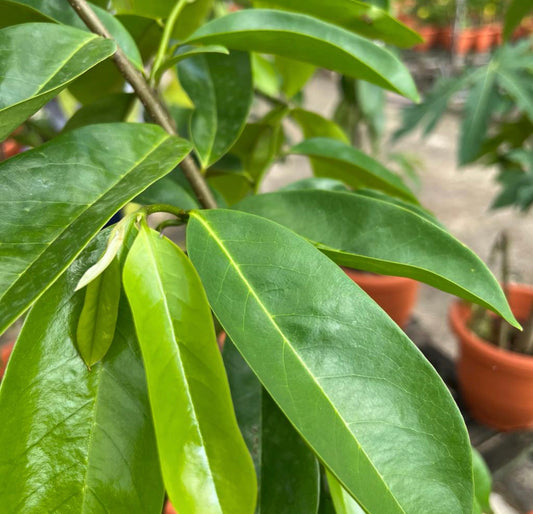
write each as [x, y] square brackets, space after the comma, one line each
[496, 384]
[395, 295]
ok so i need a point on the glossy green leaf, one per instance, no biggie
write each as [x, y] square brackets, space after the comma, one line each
[477, 116]
[356, 16]
[221, 89]
[287, 471]
[373, 235]
[349, 380]
[58, 11]
[266, 77]
[109, 109]
[314, 125]
[75, 440]
[55, 198]
[344, 162]
[344, 503]
[98, 317]
[37, 61]
[307, 39]
[516, 11]
[205, 465]
[482, 482]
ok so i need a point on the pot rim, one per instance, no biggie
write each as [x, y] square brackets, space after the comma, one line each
[459, 314]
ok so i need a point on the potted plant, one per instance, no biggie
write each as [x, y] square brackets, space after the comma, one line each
[116, 394]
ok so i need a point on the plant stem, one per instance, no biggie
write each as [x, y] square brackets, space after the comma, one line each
[165, 38]
[153, 105]
[170, 209]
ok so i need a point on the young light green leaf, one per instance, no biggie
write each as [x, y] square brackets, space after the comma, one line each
[114, 244]
[287, 471]
[57, 209]
[205, 465]
[98, 317]
[371, 234]
[75, 440]
[221, 89]
[344, 374]
[356, 16]
[37, 61]
[344, 162]
[327, 184]
[344, 503]
[307, 39]
[313, 125]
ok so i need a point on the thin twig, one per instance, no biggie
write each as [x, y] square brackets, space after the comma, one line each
[153, 105]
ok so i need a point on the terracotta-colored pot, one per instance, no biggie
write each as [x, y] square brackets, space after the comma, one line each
[466, 40]
[395, 295]
[169, 509]
[485, 38]
[496, 384]
[10, 147]
[5, 352]
[430, 36]
[444, 37]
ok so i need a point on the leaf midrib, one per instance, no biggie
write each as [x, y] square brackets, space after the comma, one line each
[287, 343]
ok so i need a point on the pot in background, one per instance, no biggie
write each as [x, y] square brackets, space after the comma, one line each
[485, 38]
[429, 35]
[5, 352]
[496, 384]
[395, 295]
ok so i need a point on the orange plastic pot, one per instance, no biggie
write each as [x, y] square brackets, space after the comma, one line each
[395, 295]
[485, 38]
[496, 384]
[169, 509]
[429, 35]
[5, 352]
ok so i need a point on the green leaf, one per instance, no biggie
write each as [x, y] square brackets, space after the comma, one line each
[477, 115]
[221, 89]
[260, 143]
[184, 52]
[519, 88]
[294, 75]
[343, 162]
[98, 318]
[190, 18]
[482, 482]
[58, 11]
[327, 184]
[168, 191]
[287, 470]
[306, 39]
[353, 15]
[315, 125]
[349, 380]
[377, 236]
[75, 440]
[109, 109]
[54, 199]
[37, 61]
[516, 11]
[344, 503]
[205, 465]
[265, 75]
